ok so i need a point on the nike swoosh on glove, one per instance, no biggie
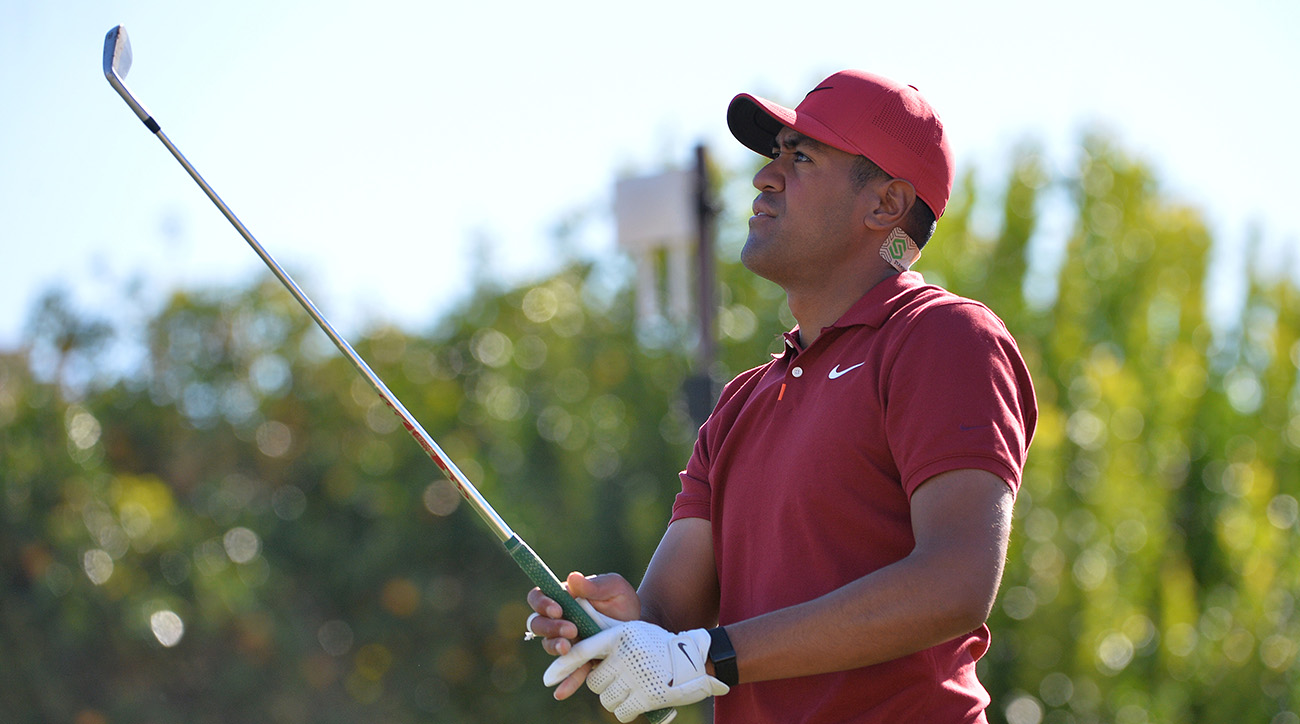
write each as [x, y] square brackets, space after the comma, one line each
[645, 668]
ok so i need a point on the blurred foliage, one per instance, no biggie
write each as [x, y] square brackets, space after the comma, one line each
[241, 530]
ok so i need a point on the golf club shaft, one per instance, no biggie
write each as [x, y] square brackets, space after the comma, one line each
[453, 473]
[524, 556]
[528, 560]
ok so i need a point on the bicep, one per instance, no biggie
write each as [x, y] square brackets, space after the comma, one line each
[680, 588]
[962, 521]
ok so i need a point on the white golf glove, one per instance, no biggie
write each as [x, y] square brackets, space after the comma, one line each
[644, 668]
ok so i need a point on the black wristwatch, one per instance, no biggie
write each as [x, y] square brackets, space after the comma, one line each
[723, 657]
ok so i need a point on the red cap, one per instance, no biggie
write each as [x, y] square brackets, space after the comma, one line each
[863, 114]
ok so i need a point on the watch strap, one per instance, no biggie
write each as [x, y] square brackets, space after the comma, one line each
[723, 656]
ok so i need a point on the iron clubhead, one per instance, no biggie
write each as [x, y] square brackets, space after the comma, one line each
[117, 53]
[117, 62]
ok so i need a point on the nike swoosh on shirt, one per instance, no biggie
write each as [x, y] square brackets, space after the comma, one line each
[836, 372]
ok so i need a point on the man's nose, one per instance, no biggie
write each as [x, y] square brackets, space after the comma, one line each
[769, 177]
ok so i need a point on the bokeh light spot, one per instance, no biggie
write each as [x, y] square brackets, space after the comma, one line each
[241, 544]
[1024, 709]
[441, 498]
[98, 565]
[400, 597]
[335, 637]
[274, 438]
[167, 627]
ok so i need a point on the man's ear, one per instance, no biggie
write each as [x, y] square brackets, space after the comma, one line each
[889, 205]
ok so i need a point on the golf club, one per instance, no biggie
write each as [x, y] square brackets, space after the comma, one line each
[117, 63]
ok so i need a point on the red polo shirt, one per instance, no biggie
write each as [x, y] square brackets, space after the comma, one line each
[807, 465]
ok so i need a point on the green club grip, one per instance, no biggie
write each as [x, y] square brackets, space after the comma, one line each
[542, 577]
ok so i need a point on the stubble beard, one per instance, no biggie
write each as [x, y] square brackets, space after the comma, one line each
[756, 256]
[774, 255]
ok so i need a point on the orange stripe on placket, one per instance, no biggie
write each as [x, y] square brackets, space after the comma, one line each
[781, 394]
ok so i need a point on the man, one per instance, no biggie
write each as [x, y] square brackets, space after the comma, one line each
[844, 516]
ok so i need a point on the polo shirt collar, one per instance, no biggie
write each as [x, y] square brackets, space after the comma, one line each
[873, 309]
[881, 301]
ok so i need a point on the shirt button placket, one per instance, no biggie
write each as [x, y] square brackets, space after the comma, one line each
[794, 372]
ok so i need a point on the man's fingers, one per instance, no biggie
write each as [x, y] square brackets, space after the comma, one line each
[550, 628]
[572, 683]
[550, 623]
[581, 586]
[609, 593]
[596, 647]
[543, 604]
[557, 646]
[599, 587]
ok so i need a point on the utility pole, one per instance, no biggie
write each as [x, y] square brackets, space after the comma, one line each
[659, 216]
[700, 395]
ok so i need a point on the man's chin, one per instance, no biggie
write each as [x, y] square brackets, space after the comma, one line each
[753, 257]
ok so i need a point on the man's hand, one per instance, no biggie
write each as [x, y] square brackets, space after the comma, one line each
[611, 597]
[644, 668]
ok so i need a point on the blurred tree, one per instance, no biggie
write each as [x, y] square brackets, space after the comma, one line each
[64, 342]
[242, 530]
[1146, 582]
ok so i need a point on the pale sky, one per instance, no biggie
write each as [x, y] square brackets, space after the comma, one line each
[371, 147]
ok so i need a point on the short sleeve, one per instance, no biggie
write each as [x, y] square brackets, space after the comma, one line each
[959, 396]
[694, 499]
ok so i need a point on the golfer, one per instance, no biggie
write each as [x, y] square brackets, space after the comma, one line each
[840, 534]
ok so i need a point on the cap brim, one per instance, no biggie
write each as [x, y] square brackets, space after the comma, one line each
[755, 122]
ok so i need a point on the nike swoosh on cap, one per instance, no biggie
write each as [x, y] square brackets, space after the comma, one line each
[836, 372]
